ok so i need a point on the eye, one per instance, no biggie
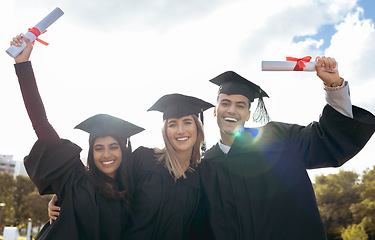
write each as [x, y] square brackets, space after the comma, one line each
[114, 147]
[171, 125]
[98, 149]
[188, 122]
[225, 104]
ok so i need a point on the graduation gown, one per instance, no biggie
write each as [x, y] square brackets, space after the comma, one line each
[162, 207]
[261, 190]
[85, 214]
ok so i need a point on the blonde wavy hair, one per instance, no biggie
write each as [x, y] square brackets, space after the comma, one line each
[168, 155]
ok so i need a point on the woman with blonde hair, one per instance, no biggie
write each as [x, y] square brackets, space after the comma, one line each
[167, 200]
[166, 181]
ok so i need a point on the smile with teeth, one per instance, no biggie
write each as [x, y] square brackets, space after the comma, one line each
[182, 139]
[108, 162]
[229, 119]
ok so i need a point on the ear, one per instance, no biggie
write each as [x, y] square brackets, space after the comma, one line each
[215, 111]
[248, 116]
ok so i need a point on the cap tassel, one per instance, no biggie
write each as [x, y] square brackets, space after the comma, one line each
[260, 113]
[128, 144]
[203, 147]
[201, 115]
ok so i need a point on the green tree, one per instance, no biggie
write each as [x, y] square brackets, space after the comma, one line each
[335, 193]
[6, 196]
[23, 187]
[364, 211]
[354, 232]
[37, 208]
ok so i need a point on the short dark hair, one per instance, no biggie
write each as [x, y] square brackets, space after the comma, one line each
[217, 99]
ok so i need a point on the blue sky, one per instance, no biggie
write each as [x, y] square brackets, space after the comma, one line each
[326, 31]
[103, 53]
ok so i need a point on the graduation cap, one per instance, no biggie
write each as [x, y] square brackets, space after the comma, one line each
[101, 125]
[232, 83]
[178, 105]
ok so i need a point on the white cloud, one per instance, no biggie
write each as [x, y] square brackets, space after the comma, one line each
[119, 57]
[353, 48]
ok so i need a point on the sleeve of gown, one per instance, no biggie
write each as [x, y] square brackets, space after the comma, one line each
[33, 102]
[141, 162]
[200, 227]
[340, 100]
[334, 139]
[50, 163]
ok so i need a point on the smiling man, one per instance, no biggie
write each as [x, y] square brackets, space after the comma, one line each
[255, 179]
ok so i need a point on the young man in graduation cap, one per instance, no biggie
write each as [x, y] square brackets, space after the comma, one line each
[255, 179]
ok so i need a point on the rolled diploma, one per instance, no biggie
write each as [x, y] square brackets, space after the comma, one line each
[13, 51]
[289, 66]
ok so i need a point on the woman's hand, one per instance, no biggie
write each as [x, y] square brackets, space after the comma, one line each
[25, 54]
[53, 210]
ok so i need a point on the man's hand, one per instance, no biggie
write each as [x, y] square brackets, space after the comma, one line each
[25, 54]
[53, 210]
[329, 64]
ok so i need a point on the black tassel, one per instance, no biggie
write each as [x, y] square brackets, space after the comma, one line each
[129, 144]
[204, 147]
[260, 113]
[201, 116]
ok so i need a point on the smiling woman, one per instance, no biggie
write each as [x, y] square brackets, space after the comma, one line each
[94, 196]
[167, 196]
[107, 155]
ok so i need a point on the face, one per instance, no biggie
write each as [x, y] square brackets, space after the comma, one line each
[232, 111]
[107, 155]
[182, 133]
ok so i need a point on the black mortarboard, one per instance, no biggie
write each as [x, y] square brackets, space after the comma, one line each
[178, 105]
[232, 83]
[101, 125]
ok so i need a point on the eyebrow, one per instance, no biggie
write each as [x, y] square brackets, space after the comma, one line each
[241, 102]
[237, 102]
[171, 121]
[101, 145]
[185, 119]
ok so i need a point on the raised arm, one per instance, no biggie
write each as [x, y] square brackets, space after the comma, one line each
[30, 93]
[337, 90]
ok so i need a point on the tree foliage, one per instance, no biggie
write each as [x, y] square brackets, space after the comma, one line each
[22, 201]
[346, 202]
[364, 211]
[354, 232]
[335, 194]
[23, 187]
[37, 208]
[6, 196]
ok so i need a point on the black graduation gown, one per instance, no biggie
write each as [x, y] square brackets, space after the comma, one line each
[261, 190]
[162, 207]
[85, 214]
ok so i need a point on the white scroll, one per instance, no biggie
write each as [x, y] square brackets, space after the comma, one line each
[13, 51]
[289, 66]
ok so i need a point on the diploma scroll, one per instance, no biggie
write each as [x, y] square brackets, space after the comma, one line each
[289, 66]
[32, 34]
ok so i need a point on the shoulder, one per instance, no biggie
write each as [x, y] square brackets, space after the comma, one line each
[145, 157]
[212, 153]
[143, 152]
[278, 130]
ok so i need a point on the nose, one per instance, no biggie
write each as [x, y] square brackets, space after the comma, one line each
[107, 153]
[231, 109]
[180, 129]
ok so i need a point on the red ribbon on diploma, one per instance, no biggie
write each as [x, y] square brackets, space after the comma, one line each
[300, 62]
[36, 32]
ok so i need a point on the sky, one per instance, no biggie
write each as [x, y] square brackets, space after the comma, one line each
[119, 56]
